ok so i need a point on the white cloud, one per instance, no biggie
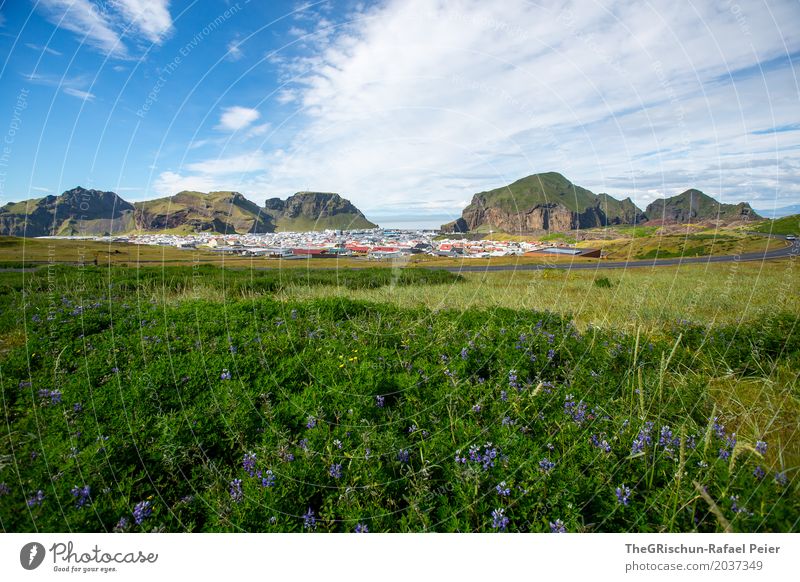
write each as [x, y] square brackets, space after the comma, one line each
[415, 96]
[87, 21]
[149, 17]
[236, 118]
[259, 130]
[105, 25]
[84, 95]
[234, 52]
[241, 164]
[43, 49]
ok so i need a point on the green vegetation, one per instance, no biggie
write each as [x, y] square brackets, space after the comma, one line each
[200, 399]
[788, 225]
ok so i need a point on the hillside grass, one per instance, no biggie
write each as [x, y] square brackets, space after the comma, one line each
[201, 399]
[788, 225]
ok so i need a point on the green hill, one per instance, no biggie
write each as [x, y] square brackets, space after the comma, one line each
[547, 201]
[306, 211]
[222, 212]
[79, 211]
[695, 206]
[788, 225]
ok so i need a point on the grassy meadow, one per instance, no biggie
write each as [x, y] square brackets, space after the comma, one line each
[196, 398]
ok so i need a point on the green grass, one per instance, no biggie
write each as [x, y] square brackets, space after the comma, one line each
[785, 226]
[180, 373]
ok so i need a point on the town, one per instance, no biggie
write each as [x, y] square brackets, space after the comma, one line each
[373, 244]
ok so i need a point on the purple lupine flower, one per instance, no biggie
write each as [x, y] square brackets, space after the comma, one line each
[665, 438]
[508, 421]
[576, 411]
[4, 489]
[599, 443]
[781, 479]
[335, 471]
[551, 354]
[77, 407]
[226, 375]
[82, 495]
[758, 473]
[366, 453]
[503, 396]
[512, 379]
[724, 454]
[142, 511]
[557, 526]
[643, 439]
[718, 428]
[379, 401]
[502, 489]
[236, 490]
[361, 528]
[309, 520]
[249, 463]
[303, 444]
[122, 524]
[761, 447]
[37, 499]
[476, 408]
[623, 494]
[464, 353]
[735, 504]
[312, 422]
[499, 520]
[546, 465]
[403, 456]
[267, 478]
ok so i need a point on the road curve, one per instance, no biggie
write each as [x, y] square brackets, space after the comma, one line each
[791, 250]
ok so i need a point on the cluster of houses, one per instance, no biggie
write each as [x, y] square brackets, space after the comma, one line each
[376, 244]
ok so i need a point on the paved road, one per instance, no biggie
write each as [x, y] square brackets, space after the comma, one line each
[792, 250]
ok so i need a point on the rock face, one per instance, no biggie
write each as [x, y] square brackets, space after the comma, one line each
[93, 212]
[223, 212]
[694, 206]
[75, 212]
[543, 202]
[315, 211]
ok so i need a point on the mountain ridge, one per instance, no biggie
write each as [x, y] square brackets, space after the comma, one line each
[82, 211]
[550, 202]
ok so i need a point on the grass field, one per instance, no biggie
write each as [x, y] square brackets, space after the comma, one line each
[201, 399]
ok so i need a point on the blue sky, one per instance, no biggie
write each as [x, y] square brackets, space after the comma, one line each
[406, 107]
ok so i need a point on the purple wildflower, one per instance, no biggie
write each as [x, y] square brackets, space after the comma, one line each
[312, 422]
[4, 490]
[267, 478]
[623, 494]
[335, 471]
[82, 495]
[476, 408]
[512, 379]
[122, 524]
[226, 375]
[403, 456]
[379, 401]
[557, 526]
[142, 511]
[249, 463]
[464, 353]
[502, 489]
[77, 407]
[758, 473]
[499, 520]
[546, 465]
[236, 490]
[309, 520]
[781, 479]
[37, 499]
[361, 528]
[761, 447]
